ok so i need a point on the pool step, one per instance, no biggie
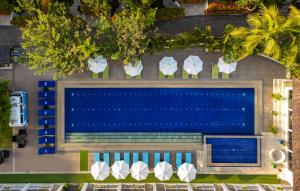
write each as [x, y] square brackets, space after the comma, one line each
[134, 138]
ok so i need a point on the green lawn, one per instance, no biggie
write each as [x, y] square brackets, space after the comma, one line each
[84, 161]
[81, 178]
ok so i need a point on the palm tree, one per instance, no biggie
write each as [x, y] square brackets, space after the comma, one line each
[265, 31]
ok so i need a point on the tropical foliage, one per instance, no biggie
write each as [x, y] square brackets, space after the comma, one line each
[274, 35]
[129, 26]
[53, 40]
[5, 130]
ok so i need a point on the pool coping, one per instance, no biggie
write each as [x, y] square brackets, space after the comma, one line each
[209, 154]
[61, 85]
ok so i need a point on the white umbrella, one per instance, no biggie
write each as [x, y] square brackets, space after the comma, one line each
[139, 170]
[186, 172]
[168, 65]
[163, 171]
[133, 69]
[193, 65]
[120, 169]
[226, 67]
[98, 64]
[100, 170]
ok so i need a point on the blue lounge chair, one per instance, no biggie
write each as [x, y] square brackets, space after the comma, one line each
[46, 150]
[127, 157]
[167, 157]
[47, 140]
[146, 157]
[96, 157]
[47, 83]
[117, 156]
[188, 158]
[46, 102]
[49, 131]
[46, 112]
[178, 159]
[46, 94]
[47, 121]
[135, 157]
[106, 158]
[156, 158]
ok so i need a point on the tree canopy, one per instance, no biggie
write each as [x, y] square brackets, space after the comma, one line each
[54, 41]
[272, 34]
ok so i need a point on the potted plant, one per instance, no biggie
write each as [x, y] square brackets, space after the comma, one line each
[274, 129]
[274, 113]
[277, 97]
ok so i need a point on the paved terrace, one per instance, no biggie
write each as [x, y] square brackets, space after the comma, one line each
[26, 160]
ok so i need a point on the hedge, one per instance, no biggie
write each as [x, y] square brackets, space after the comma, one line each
[169, 14]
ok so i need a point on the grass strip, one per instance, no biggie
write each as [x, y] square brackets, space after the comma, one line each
[81, 178]
[83, 160]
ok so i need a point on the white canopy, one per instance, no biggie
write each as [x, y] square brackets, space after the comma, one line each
[98, 64]
[139, 170]
[133, 69]
[226, 67]
[168, 65]
[163, 171]
[120, 169]
[100, 170]
[186, 172]
[193, 65]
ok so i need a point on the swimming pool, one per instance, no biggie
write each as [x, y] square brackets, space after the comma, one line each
[216, 111]
[233, 150]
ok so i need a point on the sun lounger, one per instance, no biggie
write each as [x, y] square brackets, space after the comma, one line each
[46, 102]
[188, 158]
[167, 157]
[127, 157]
[156, 158]
[161, 75]
[47, 121]
[128, 77]
[146, 157]
[46, 83]
[46, 112]
[46, 150]
[135, 157]
[43, 132]
[117, 156]
[215, 71]
[105, 73]
[194, 77]
[46, 94]
[225, 76]
[95, 75]
[46, 140]
[171, 77]
[106, 158]
[178, 159]
[139, 76]
[96, 157]
[185, 75]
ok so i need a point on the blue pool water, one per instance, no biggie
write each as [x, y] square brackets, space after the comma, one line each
[217, 111]
[233, 150]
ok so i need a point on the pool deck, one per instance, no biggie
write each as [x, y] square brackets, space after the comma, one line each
[253, 68]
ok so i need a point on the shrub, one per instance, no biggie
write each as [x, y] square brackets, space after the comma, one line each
[169, 14]
[273, 129]
[6, 6]
[193, 1]
[225, 8]
[5, 130]
[20, 21]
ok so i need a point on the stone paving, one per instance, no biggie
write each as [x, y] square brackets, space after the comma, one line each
[26, 160]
